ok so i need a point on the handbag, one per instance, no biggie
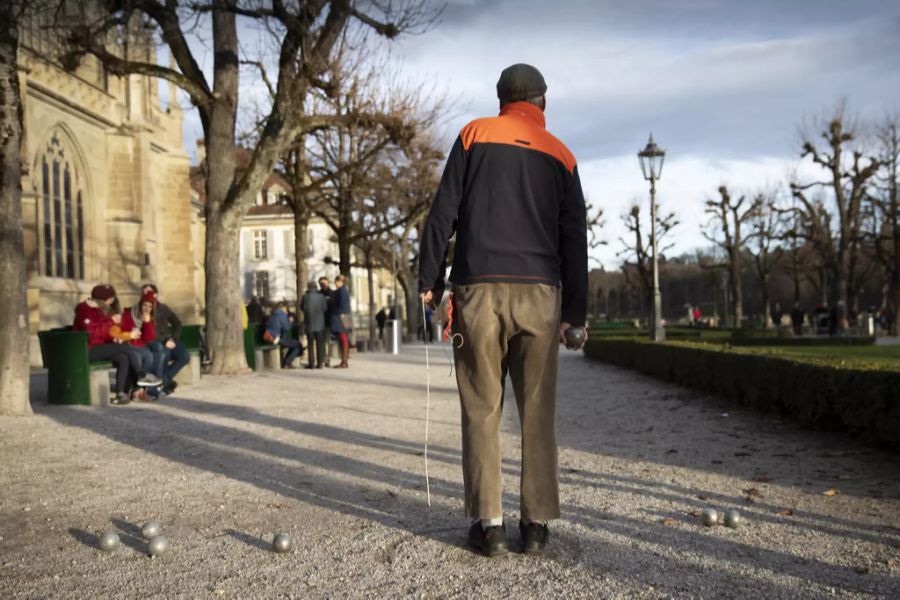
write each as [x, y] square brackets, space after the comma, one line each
[346, 321]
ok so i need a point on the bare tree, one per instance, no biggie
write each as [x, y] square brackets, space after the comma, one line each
[849, 173]
[728, 218]
[638, 263]
[886, 212]
[767, 225]
[308, 32]
[14, 334]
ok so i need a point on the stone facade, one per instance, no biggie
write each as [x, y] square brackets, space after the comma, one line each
[106, 197]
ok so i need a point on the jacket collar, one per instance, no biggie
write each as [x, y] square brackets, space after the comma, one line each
[525, 110]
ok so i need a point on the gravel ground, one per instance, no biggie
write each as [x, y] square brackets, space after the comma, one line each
[335, 459]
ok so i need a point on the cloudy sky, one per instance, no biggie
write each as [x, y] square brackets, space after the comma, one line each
[723, 84]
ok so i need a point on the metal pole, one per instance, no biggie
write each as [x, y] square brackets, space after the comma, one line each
[657, 333]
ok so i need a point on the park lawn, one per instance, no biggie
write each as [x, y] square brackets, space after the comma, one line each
[876, 358]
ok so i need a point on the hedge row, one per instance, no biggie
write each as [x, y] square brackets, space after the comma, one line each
[802, 341]
[864, 403]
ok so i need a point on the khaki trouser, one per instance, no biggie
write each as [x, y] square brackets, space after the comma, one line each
[508, 327]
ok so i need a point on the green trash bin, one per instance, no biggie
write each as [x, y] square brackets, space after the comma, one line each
[65, 355]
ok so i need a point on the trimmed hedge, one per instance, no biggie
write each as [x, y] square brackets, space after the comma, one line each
[802, 341]
[862, 402]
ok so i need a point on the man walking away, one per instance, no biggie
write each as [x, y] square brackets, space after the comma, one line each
[511, 192]
[314, 306]
[325, 289]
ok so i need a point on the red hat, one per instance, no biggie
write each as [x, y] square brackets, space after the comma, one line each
[104, 291]
[149, 297]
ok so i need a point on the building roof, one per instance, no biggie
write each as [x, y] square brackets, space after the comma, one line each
[242, 158]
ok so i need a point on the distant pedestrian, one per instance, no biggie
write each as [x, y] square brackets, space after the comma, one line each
[341, 319]
[380, 320]
[255, 311]
[314, 305]
[325, 289]
[777, 315]
[696, 315]
[278, 331]
[797, 318]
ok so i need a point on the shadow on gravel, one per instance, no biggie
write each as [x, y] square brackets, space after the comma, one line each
[250, 540]
[291, 471]
[712, 543]
[437, 389]
[130, 535]
[85, 537]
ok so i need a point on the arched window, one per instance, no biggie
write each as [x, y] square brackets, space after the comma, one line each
[60, 213]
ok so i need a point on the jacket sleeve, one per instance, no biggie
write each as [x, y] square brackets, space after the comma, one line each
[442, 217]
[174, 323]
[98, 329]
[573, 252]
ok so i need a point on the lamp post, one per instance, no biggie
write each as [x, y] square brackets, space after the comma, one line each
[651, 159]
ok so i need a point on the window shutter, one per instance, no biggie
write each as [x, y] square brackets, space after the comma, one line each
[288, 243]
[248, 246]
[270, 244]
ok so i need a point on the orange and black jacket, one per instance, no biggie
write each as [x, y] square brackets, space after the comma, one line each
[511, 193]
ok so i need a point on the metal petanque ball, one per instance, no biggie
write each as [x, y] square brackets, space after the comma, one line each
[709, 517]
[732, 519]
[157, 545]
[151, 529]
[109, 541]
[281, 543]
[574, 337]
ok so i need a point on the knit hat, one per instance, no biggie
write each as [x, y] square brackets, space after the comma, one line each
[520, 82]
[104, 291]
[149, 297]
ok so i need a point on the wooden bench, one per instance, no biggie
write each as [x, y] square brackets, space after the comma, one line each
[71, 377]
[259, 353]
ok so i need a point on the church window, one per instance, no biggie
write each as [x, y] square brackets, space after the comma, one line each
[61, 214]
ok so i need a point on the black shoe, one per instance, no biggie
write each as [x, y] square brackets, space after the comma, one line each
[120, 399]
[169, 388]
[489, 542]
[534, 537]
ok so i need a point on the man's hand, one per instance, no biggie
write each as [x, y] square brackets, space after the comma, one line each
[135, 334]
[170, 344]
[427, 298]
[562, 336]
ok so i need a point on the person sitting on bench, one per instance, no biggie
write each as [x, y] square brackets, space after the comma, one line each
[138, 329]
[174, 354]
[278, 332]
[98, 315]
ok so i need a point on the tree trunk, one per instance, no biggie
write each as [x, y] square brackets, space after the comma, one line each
[301, 264]
[224, 326]
[343, 253]
[224, 332]
[767, 310]
[737, 300]
[371, 280]
[14, 334]
[413, 310]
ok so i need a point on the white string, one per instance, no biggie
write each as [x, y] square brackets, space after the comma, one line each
[427, 400]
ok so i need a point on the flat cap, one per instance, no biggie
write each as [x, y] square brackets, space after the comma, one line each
[520, 82]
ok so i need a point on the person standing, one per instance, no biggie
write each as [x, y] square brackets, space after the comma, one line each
[511, 193]
[314, 305]
[797, 316]
[278, 332]
[255, 311]
[341, 319]
[325, 289]
[380, 320]
[174, 355]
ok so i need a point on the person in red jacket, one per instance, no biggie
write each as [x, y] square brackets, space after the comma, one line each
[138, 330]
[99, 317]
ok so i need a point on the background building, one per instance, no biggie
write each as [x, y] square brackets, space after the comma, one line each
[106, 195]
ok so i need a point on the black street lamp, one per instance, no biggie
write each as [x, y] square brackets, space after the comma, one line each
[651, 159]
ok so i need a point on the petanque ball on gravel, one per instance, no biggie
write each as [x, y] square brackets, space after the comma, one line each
[732, 519]
[151, 529]
[157, 545]
[709, 517]
[109, 541]
[281, 543]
